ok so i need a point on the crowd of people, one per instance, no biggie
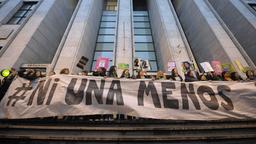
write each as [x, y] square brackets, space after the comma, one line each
[189, 75]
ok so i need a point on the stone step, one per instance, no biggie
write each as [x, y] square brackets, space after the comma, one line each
[123, 131]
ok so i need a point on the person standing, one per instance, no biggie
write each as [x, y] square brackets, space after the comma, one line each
[101, 71]
[141, 75]
[126, 74]
[113, 72]
[250, 75]
[191, 76]
[160, 75]
[6, 82]
[175, 75]
[235, 76]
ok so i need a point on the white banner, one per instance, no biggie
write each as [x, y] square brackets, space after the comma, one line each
[68, 95]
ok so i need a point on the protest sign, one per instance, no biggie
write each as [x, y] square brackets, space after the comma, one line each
[71, 95]
[102, 62]
[216, 65]
[137, 64]
[145, 65]
[171, 65]
[207, 67]
[123, 66]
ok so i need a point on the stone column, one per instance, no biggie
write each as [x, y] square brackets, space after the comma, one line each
[124, 43]
[168, 39]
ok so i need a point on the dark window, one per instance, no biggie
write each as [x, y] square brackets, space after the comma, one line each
[107, 33]
[253, 6]
[140, 5]
[23, 12]
[144, 44]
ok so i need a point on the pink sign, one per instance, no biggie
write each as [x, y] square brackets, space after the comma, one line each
[171, 65]
[102, 62]
[216, 65]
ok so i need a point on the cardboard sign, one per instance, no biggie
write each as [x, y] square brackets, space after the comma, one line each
[187, 65]
[171, 65]
[206, 66]
[137, 64]
[82, 62]
[145, 65]
[216, 65]
[102, 62]
[123, 66]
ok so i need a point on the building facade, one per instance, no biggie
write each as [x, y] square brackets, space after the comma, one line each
[60, 32]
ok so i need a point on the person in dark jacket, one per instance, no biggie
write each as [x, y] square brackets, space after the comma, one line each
[1, 91]
[175, 75]
[6, 82]
[191, 76]
[112, 72]
[213, 76]
[235, 76]
[101, 71]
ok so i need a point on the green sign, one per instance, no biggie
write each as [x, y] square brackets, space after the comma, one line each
[123, 66]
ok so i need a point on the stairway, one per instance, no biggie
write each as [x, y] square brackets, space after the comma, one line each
[72, 130]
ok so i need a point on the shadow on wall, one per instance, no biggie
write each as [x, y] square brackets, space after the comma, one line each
[42, 46]
[202, 40]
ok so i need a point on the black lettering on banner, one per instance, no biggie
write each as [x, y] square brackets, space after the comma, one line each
[169, 103]
[112, 91]
[16, 98]
[144, 89]
[211, 104]
[73, 98]
[54, 86]
[229, 104]
[98, 92]
[42, 90]
[191, 94]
